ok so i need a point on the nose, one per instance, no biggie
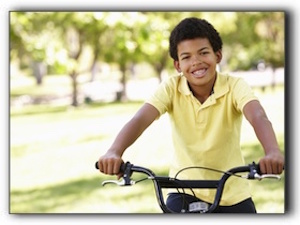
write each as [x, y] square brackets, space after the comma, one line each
[196, 60]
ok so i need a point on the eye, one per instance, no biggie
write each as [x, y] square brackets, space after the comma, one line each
[185, 57]
[204, 53]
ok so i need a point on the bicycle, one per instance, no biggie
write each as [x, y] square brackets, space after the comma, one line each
[165, 182]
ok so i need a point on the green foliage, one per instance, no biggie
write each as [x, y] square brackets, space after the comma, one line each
[59, 39]
[140, 36]
[57, 68]
[257, 36]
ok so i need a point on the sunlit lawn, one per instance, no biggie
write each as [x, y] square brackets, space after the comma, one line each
[53, 151]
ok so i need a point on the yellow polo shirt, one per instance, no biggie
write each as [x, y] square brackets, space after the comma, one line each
[208, 134]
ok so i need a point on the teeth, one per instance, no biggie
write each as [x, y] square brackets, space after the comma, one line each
[199, 72]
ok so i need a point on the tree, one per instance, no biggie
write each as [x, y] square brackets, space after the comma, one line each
[155, 44]
[29, 42]
[256, 36]
[56, 38]
[123, 41]
[128, 38]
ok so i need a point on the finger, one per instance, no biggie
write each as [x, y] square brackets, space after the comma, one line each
[276, 168]
[104, 167]
[269, 168]
[262, 167]
[100, 166]
[110, 169]
[280, 167]
[116, 167]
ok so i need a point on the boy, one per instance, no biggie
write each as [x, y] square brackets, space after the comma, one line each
[206, 110]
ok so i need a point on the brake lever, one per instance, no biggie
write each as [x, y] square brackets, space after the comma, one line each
[270, 176]
[119, 183]
[254, 174]
[257, 176]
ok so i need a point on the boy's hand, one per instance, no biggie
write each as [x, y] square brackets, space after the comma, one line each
[272, 163]
[110, 164]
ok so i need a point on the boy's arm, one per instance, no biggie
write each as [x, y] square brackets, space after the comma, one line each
[273, 162]
[110, 162]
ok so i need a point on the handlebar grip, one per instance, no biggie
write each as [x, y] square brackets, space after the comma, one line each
[122, 167]
[96, 165]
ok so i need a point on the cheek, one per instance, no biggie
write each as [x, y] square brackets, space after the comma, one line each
[185, 65]
[184, 68]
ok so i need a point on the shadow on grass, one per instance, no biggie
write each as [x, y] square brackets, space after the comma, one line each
[44, 200]
[55, 198]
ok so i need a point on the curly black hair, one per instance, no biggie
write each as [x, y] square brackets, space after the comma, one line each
[191, 28]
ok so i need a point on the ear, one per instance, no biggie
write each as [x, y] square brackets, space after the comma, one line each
[177, 66]
[219, 56]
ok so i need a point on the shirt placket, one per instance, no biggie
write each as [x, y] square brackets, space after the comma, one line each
[201, 109]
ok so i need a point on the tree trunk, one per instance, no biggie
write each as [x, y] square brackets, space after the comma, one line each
[39, 71]
[121, 96]
[161, 65]
[75, 46]
[73, 76]
[94, 67]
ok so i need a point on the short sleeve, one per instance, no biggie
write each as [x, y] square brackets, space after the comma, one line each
[242, 94]
[161, 99]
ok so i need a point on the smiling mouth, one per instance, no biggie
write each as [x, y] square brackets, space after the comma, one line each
[199, 73]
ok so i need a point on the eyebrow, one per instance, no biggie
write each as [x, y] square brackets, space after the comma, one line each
[186, 53]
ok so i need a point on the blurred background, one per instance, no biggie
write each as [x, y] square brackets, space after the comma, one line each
[77, 77]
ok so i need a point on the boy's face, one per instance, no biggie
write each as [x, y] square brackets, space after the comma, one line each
[197, 61]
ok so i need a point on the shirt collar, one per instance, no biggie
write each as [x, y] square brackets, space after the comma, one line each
[183, 86]
[220, 87]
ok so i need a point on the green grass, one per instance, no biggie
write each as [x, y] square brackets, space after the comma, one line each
[54, 148]
[81, 194]
[267, 194]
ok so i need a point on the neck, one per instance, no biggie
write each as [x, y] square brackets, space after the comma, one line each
[202, 93]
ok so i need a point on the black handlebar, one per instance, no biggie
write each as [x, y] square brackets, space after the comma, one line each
[167, 182]
[123, 167]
